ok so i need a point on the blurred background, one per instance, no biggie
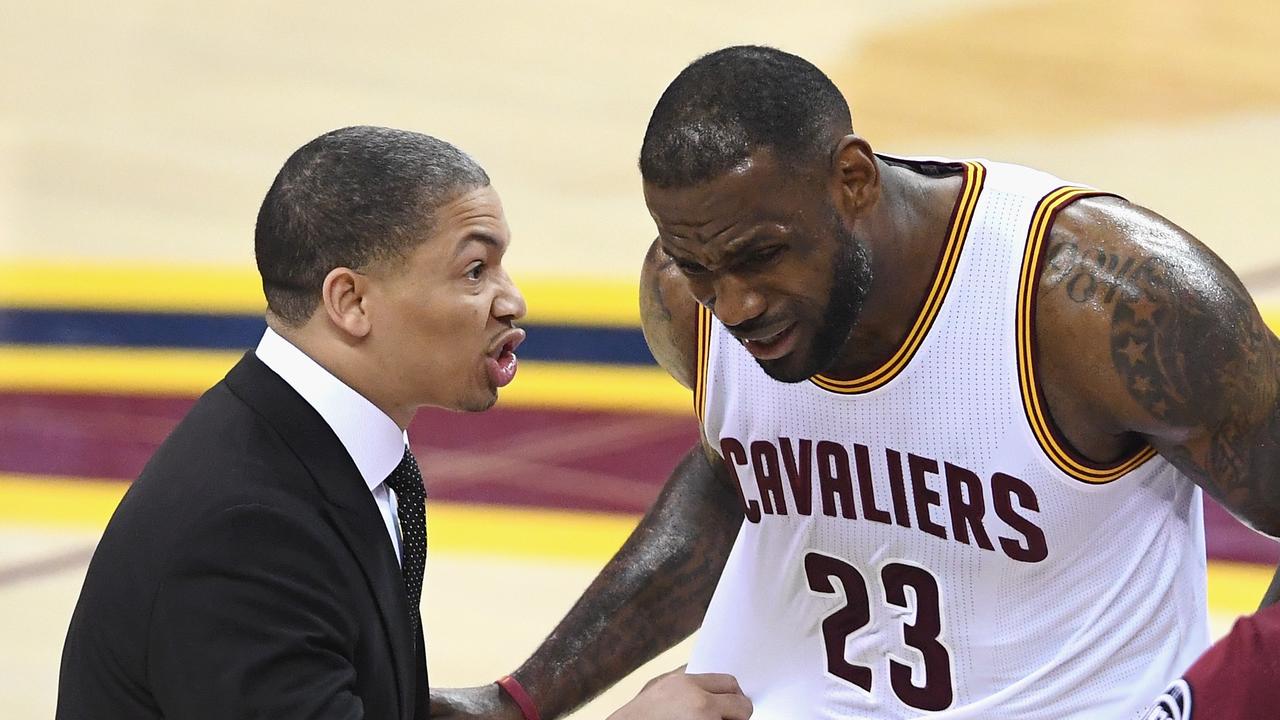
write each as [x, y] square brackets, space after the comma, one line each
[138, 137]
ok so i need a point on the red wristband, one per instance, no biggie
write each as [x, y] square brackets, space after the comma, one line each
[517, 693]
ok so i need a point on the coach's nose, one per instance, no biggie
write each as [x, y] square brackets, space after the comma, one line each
[508, 304]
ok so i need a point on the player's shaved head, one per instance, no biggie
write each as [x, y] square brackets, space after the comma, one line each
[726, 105]
[350, 198]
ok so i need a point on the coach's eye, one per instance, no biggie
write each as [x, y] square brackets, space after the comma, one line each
[475, 271]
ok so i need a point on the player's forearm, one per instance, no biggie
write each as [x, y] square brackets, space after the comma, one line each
[651, 595]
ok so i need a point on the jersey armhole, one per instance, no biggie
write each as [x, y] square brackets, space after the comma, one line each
[1050, 439]
[703, 359]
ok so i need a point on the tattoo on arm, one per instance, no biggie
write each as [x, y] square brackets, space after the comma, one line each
[669, 316]
[1092, 274]
[651, 595]
[653, 292]
[1194, 353]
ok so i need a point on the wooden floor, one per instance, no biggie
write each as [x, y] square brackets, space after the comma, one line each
[141, 130]
[142, 133]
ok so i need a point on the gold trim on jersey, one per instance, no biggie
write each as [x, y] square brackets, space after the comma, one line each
[961, 219]
[1047, 435]
[704, 356]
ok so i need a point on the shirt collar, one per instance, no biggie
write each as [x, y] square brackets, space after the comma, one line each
[371, 438]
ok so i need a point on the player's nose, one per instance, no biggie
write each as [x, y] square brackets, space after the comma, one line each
[736, 302]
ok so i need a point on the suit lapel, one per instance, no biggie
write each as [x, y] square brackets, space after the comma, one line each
[350, 506]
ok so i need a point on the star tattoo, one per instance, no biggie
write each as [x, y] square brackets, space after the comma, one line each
[1144, 311]
[1134, 351]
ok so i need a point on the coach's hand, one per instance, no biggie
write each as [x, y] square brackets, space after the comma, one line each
[678, 696]
[486, 702]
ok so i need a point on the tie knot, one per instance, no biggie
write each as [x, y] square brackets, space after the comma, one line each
[406, 479]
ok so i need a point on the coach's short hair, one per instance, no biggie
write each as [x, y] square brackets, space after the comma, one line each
[350, 198]
[726, 105]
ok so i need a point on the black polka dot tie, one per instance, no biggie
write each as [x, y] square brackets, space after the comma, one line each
[406, 482]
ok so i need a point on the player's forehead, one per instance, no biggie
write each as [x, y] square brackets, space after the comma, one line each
[753, 199]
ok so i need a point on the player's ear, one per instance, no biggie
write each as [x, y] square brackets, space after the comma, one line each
[342, 297]
[855, 175]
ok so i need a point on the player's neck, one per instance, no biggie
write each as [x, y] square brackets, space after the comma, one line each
[905, 235]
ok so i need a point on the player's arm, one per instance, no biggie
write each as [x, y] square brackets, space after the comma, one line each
[1145, 333]
[655, 590]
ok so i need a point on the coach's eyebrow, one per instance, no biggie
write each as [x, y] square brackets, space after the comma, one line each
[480, 237]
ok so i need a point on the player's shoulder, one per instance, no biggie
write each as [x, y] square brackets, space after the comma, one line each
[1102, 253]
[1132, 312]
[1107, 259]
[669, 316]
[1113, 223]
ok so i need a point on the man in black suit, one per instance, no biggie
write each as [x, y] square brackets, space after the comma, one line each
[268, 561]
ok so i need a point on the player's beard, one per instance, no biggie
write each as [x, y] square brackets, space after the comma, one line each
[850, 282]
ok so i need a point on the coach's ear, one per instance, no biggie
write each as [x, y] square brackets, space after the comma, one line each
[342, 298]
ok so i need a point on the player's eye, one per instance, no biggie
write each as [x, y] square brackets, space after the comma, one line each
[767, 255]
[690, 268]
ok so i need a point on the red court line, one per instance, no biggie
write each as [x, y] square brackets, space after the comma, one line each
[565, 459]
[589, 460]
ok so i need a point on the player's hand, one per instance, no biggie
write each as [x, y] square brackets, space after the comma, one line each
[486, 702]
[678, 696]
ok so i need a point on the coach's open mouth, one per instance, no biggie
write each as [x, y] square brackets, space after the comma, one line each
[501, 361]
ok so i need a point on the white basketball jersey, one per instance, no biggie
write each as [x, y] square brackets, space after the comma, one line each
[920, 541]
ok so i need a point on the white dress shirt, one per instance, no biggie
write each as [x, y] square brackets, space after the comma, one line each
[372, 439]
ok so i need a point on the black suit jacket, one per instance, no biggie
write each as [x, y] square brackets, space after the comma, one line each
[246, 574]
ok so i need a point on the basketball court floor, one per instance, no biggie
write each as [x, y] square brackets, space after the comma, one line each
[136, 139]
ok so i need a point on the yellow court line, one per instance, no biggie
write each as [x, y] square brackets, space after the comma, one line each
[82, 504]
[595, 387]
[149, 371]
[526, 533]
[61, 502]
[1237, 588]
[212, 289]
[131, 371]
[576, 301]
[174, 288]
[73, 503]
[184, 288]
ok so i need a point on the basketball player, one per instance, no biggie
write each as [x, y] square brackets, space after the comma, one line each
[956, 419]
